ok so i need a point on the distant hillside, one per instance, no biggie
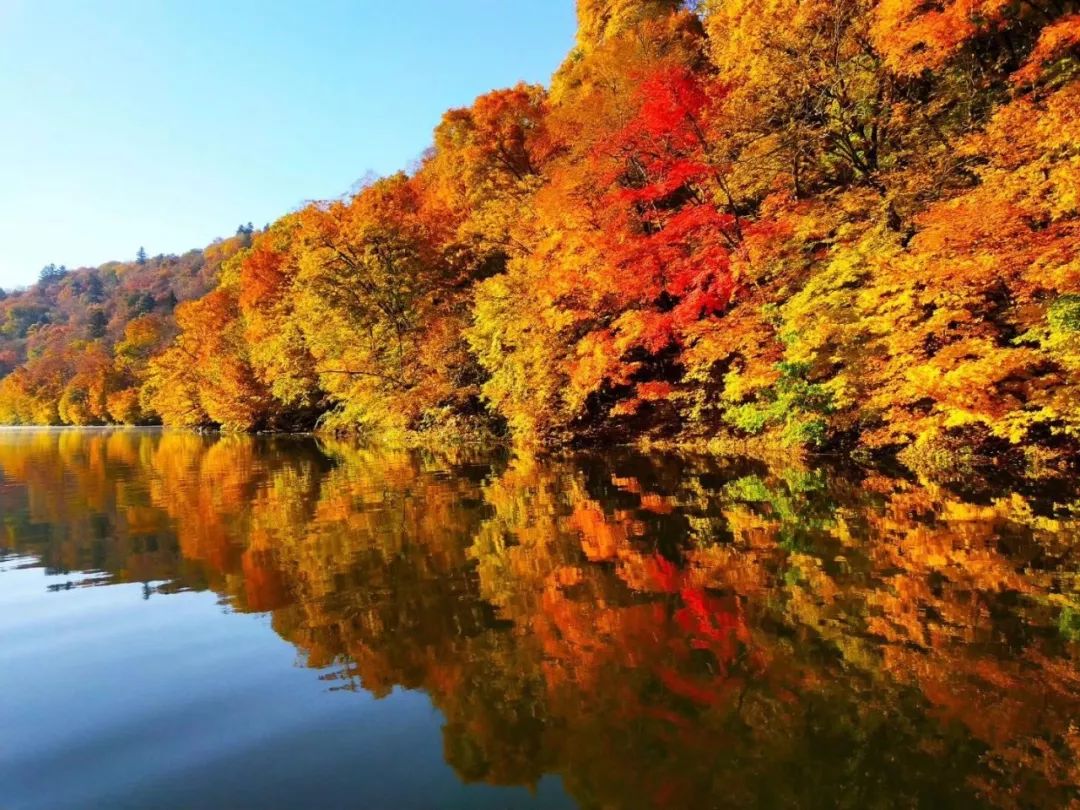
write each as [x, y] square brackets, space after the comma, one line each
[63, 327]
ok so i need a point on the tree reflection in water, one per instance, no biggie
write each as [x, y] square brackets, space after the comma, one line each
[659, 631]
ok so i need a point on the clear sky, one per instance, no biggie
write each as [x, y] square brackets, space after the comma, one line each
[167, 123]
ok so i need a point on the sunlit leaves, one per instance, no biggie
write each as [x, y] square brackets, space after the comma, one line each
[816, 224]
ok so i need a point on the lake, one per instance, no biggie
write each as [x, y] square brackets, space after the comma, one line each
[202, 621]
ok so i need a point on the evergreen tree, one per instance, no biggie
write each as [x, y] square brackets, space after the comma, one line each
[98, 323]
[51, 272]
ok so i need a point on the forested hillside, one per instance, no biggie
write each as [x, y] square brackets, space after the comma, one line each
[814, 224]
[74, 346]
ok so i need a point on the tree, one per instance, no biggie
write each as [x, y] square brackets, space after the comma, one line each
[205, 376]
[140, 256]
[95, 290]
[97, 323]
[381, 307]
[140, 303]
[51, 273]
[21, 318]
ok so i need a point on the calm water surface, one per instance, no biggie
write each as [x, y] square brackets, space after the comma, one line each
[204, 622]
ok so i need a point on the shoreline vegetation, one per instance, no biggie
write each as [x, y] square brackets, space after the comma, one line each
[777, 227]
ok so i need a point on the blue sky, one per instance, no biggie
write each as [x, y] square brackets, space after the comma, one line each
[166, 123]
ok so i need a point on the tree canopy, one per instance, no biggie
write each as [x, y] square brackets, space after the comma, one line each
[810, 224]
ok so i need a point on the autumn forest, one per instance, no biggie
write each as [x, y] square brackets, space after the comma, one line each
[846, 225]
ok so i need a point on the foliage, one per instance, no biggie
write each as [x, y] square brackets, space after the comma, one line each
[826, 224]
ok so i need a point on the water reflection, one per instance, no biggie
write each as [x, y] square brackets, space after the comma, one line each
[656, 631]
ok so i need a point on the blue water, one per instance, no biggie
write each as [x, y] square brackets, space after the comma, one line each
[111, 700]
